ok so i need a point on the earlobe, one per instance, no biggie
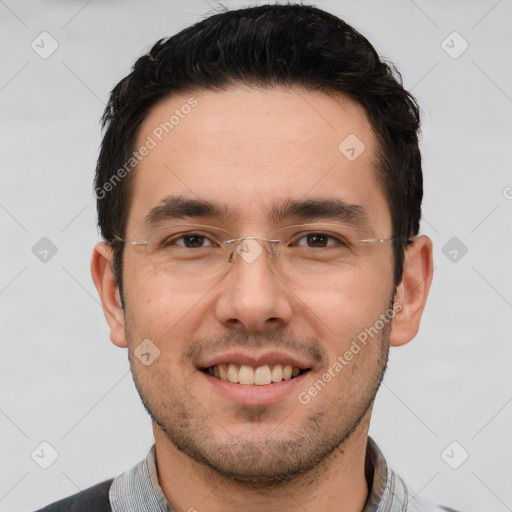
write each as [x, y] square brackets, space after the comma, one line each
[412, 292]
[104, 280]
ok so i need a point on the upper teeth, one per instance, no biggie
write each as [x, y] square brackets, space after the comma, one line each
[260, 375]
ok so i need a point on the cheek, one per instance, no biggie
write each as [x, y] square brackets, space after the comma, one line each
[159, 310]
[355, 288]
[144, 285]
[342, 312]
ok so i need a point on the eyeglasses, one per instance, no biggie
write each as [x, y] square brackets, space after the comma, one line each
[196, 251]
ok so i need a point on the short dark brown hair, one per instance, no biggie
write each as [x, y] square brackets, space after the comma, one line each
[266, 46]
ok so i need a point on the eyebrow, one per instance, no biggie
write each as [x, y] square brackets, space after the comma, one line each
[319, 209]
[179, 207]
[300, 210]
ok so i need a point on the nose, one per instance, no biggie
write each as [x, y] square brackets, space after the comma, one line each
[253, 297]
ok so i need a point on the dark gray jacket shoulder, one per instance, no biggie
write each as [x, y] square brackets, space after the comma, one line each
[94, 498]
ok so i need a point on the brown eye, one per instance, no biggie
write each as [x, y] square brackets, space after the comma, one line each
[319, 241]
[193, 241]
[189, 241]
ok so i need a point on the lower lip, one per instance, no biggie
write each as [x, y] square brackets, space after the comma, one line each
[253, 394]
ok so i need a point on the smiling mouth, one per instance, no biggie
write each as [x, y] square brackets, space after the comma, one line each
[263, 375]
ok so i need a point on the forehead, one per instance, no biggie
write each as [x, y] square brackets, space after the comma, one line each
[247, 148]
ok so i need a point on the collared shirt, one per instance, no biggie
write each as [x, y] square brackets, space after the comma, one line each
[138, 490]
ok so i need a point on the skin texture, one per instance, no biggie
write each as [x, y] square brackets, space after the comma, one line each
[248, 148]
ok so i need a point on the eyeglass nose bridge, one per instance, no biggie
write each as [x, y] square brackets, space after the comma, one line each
[249, 248]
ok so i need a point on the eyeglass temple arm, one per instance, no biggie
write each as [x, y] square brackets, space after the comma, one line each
[408, 241]
[141, 242]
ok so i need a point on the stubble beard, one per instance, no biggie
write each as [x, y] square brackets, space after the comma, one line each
[257, 460]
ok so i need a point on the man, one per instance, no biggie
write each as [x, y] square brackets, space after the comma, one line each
[259, 193]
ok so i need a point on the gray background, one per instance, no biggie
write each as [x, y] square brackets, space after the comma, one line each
[61, 379]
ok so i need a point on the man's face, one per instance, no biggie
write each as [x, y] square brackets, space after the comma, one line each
[248, 151]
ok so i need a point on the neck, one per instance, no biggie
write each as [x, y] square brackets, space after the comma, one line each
[337, 483]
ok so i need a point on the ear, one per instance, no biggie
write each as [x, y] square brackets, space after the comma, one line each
[412, 292]
[103, 277]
